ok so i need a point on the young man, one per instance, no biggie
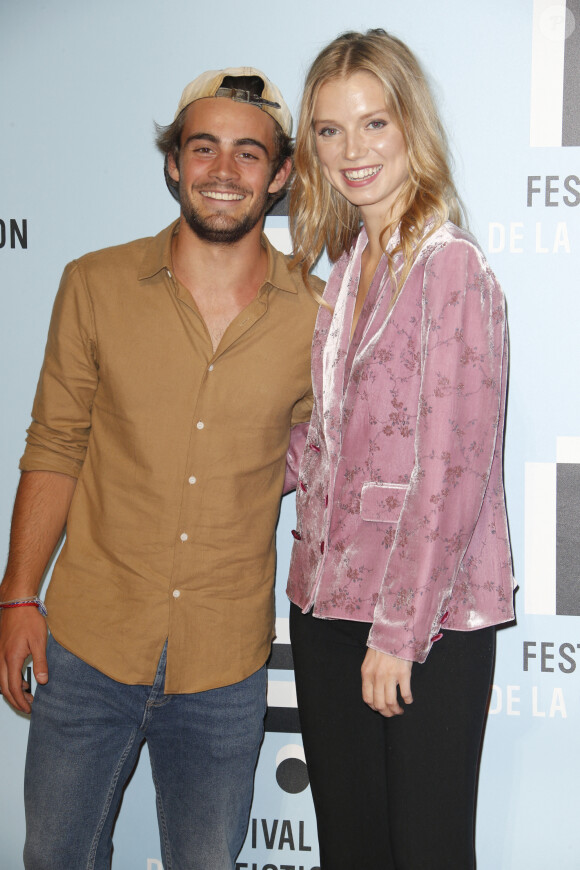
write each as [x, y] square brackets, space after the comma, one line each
[174, 370]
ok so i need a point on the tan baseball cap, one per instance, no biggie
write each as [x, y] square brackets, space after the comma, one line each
[211, 84]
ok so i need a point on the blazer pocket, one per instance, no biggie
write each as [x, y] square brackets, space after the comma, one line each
[382, 502]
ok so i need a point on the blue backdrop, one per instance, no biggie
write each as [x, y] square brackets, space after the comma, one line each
[81, 86]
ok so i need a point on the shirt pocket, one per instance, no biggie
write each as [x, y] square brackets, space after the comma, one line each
[382, 502]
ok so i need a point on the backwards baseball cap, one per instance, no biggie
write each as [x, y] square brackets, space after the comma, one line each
[216, 83]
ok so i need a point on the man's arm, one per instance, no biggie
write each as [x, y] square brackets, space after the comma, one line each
[40, 512]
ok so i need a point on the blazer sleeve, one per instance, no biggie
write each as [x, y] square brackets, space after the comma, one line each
[460, 407]
[295, 450]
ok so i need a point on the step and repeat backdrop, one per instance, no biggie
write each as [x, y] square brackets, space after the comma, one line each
[81, 84]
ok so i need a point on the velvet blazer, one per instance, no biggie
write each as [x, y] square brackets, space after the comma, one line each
[401, 518]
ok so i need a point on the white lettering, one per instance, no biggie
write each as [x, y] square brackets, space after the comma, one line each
[515, 237]
[561, 239]
[496, 238]
[539, 248]
[533, 703]
[495, 701]
[535, 711]
[154, 864]
[558, 705]
[512, 699]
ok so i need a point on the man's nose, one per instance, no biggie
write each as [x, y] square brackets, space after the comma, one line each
[224, 167]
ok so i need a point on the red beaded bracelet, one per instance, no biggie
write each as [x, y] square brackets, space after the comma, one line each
[24, 602]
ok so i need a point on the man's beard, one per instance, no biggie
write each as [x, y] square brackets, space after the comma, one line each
[220, 228]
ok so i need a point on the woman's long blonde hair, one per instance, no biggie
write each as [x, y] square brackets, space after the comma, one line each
[322, 218]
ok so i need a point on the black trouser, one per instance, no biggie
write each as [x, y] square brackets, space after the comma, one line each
[400, 792]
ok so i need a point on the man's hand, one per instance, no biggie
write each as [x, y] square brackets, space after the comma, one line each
[23, 633]
[40, 513]
[381, 674]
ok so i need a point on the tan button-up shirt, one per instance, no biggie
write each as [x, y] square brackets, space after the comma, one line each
[179, 454]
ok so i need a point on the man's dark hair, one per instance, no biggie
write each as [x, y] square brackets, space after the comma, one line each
[168, 139]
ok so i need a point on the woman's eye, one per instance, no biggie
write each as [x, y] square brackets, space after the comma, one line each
[377, 125]
[327, 131]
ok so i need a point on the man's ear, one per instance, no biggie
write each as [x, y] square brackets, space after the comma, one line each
[281, 176]
[172, 169]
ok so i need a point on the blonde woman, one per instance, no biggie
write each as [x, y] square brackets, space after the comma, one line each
[401, 565]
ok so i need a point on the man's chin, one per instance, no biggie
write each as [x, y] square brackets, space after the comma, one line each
[220, 229]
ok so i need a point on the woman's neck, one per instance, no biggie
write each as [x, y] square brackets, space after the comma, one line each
[379, 229]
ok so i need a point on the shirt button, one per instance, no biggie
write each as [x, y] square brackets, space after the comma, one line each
[200, 424]
[210, 369]
[192, 479]
[183, 536]
[176, 593]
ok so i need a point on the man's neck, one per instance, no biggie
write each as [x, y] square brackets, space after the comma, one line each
[222, 279]
[199, 263]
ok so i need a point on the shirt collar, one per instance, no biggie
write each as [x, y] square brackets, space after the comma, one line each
[157, 258]
[278, 274]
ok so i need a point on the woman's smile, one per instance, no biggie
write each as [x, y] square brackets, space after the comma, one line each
[358, 177]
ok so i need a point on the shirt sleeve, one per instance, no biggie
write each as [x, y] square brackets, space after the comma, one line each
[61, 415]
[459, 415]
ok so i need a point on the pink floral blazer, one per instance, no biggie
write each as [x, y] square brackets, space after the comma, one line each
[400, 500]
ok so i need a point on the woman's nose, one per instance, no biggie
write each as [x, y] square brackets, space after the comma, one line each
[354, 146]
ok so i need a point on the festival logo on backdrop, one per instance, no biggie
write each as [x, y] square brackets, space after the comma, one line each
[550, 651]
[554, 122]
[13, 233]
[282, 715]
[555, 107]
[552, 533]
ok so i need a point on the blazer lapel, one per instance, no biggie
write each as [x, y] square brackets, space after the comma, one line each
[336, 348]
[381, 314]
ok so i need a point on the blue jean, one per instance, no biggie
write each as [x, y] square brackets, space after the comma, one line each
[86, 731]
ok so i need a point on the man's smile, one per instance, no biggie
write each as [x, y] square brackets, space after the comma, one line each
[222, 195]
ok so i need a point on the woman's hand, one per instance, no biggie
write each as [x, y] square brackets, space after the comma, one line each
[381, 674]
